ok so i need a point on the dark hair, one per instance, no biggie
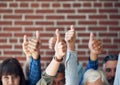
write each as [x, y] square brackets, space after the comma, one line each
[61, 68]
[11, 66]
[110, 57]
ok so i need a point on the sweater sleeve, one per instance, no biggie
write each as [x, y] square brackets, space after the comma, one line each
[35, 71]
[71, 71]
[117, 75]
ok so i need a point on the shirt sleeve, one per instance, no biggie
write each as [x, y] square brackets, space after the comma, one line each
[35, 71]
[46, 79]
[92, 64]
[117, 75]
[71, 70]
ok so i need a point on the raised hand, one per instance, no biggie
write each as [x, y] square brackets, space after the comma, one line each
[95, 47]
[34, 46]
[60, 46]
[70, 38]
[25, 47]
[52, 42]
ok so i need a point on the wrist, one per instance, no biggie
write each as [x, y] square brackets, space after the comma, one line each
[57, 59]
[93, 56]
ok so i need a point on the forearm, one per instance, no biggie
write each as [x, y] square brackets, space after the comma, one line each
[35, 71]
[52, 68]
[71, 72]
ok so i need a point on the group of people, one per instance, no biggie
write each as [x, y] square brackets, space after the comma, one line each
[11, 72]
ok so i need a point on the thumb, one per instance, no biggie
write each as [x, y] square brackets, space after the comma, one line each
[58, 35]
[25, 38]
[72, 28]
[37, 35]
[91, 36]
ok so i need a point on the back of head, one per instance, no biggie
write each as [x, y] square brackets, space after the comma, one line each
[110, 57]
[11, 66]
[92, 75]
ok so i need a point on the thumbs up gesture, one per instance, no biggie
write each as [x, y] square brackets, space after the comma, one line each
[70, 38]
[60, 46]
[31, 47]
[95, 46]
[25, 47]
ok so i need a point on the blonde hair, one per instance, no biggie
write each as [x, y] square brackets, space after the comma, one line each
[92, 75]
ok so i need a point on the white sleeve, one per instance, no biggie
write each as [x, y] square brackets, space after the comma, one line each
[117, 75]
[71, 71]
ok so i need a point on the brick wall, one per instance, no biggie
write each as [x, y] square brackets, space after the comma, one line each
[19, 17]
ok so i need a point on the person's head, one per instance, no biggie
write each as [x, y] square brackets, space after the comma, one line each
[60, 77]
[94, 77]
[109, 67]
[11, 72]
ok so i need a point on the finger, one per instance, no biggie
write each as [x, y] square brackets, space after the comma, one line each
[72, 28]
[91, 37]
[25, 38]
[37, 35]
[58, 36]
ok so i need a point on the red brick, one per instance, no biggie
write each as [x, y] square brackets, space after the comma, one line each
[33, 17]
[108, 22]
[13, 5]
[5, 23]
[117, 41]
[56, 5]
[23, 11]
[35, 5]
[55, 17]
[12, 52]
[66, 23]
[117, 4]
[87, 22]
[44, 23]
[23, 23]
[108, 4]
[3, 5]
[12, 28]
[87, 11]
[66, 11]
[45, 11]
[6, 11]
[76, 16]
[5, 46]
[24, 5]
[40, 29]
[106, 41]
[5, 35]
[98, 16]
[18, 46]
[108, 35]
[87, 4]
[3, 40]
[114, 16]
[13, 40]
[12, 17]
[45, 5]
[83, 34]
[76, 4]
[66, 5]
[117, 29]
[108, 10]
[97, 28]
[97, 4]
